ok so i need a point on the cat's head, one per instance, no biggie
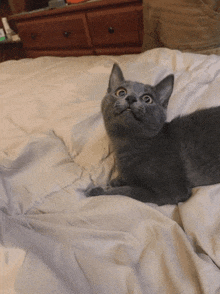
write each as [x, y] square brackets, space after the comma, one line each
[135, 107]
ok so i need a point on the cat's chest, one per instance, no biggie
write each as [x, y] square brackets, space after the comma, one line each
[130, 156]
[146, 160]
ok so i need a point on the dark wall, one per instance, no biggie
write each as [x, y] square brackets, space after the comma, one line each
[18, 6]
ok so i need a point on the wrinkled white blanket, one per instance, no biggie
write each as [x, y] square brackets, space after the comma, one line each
[53, 145]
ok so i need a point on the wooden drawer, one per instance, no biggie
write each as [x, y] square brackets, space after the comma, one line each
[116, 26]
[59, 32]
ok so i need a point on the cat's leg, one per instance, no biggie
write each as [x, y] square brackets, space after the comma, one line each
[117, 182]
[137, 193]
[143, 194]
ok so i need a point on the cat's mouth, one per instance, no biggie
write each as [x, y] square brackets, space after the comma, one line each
[129, 110]
[126, 109]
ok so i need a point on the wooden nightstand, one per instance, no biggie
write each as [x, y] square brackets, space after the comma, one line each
[11, 50]
[91, 28]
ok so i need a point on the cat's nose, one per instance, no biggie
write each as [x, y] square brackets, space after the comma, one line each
[131, 99]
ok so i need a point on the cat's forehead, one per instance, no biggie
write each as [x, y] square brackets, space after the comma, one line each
[137, 87]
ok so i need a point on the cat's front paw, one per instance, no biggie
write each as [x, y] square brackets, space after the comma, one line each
[95, 192]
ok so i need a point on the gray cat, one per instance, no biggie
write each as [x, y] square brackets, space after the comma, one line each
[157, 162]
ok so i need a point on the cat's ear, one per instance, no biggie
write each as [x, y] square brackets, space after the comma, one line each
[116, 78]
[164, 89]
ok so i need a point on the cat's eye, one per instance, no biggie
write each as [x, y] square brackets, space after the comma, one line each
[121, 92]
[147, 99]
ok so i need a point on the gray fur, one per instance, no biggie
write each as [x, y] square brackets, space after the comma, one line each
[158, 162]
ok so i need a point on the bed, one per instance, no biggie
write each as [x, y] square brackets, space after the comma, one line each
[53, 146]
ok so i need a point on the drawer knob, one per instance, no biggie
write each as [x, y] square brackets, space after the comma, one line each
[33, 36]
[66, 34]
[111, 30]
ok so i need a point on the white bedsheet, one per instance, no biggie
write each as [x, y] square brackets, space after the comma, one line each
[53, 145]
